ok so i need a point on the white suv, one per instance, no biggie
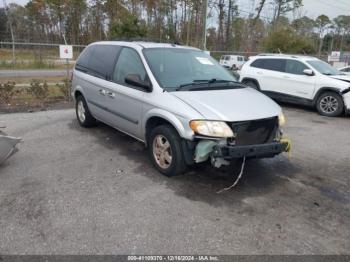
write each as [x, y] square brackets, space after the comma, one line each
[233, 62]
[299, 79]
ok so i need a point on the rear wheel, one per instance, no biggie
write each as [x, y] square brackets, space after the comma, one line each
[165, 151]
[330, 104]
[84, 116]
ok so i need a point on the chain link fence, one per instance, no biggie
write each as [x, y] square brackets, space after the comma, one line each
[46, 55]
[33, 55]
[218, 54]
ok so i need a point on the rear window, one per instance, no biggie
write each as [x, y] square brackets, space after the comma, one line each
[83, 60]
[98, 60]
[270, 64]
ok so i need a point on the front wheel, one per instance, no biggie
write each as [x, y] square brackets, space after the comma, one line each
[330, 104]
[165, 151]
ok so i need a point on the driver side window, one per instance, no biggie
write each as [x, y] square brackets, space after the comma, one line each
[129, 63]
[295, 67]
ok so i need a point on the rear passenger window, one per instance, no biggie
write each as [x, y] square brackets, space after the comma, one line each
[295, 67]
[102, 60]
[259, 63]
[129, 63]
[270, 64]
[83, 60]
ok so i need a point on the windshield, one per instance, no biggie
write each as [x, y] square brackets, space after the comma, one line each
[323, 67]
[174, 67]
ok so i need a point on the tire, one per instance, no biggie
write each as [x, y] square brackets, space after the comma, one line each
[234, 68]
[83, 114]
[330, 104]
[251, 84]
[160, 151]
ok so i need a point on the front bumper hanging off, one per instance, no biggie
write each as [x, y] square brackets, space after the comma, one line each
[250, 151]
[7, 146]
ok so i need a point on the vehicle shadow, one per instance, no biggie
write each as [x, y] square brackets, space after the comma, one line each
[201, 182]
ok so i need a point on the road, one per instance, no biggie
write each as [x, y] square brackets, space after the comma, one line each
[32, 73]
[71, 190]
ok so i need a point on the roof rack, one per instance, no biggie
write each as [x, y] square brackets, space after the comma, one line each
[147, 40]
[269, 54]
[285, 55]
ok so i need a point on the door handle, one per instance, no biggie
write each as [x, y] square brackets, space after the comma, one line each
[111, 94]
[102, 92]
[286, 77]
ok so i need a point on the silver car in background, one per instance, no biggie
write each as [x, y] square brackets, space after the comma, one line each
[178, 101]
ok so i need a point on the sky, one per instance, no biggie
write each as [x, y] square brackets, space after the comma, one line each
[312, 8]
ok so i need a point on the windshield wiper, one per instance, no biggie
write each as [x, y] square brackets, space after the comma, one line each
[201, 82]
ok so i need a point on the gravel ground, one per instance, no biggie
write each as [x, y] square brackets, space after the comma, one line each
[71, 190]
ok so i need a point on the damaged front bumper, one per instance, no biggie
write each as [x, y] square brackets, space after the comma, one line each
[7, 146]
[346, 97]
[250, 151]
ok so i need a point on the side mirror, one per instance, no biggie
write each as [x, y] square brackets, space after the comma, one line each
[135, 80]
[309, 72]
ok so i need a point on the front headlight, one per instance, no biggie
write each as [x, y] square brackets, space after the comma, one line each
[281, 119]
[211, 128]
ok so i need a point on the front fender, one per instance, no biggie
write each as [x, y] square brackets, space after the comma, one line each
[325, 89]
[180, 123]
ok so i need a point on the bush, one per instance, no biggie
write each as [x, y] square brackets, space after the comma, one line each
[7, 91]
[65, 88]
[38, 90]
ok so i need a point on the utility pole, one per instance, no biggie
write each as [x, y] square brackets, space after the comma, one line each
[11, 31]
[205, 10]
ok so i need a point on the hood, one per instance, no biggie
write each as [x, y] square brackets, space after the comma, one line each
[345, 78]
[230, 105]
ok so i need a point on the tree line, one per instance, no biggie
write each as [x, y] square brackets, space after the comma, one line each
[282, 28]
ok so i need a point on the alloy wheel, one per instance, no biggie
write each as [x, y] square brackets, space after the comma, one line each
[329, 104]
[162, 151]
[81, 111]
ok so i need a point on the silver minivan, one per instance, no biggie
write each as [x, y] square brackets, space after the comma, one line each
[178, 101]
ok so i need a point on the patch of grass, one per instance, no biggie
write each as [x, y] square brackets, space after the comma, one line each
[38, 58]
[30, 54]
[30, 65]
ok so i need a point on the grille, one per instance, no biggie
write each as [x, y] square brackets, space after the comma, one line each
[255, 132]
